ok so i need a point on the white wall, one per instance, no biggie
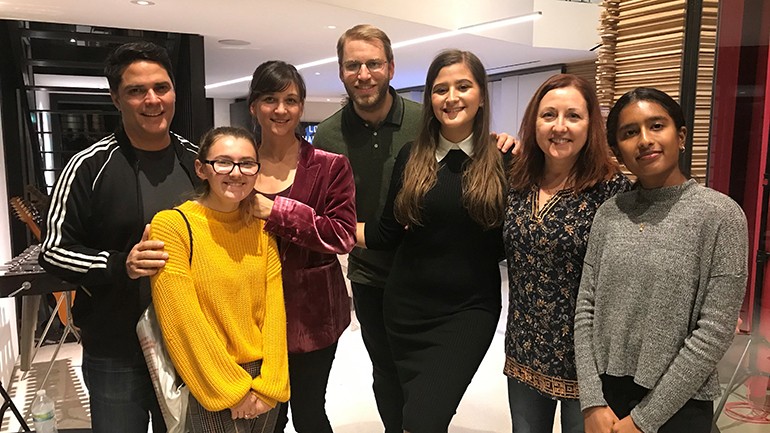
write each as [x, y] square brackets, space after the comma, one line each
[9, 348]
[222, 111]
[316, 111]
[510, 96]
[566, 25]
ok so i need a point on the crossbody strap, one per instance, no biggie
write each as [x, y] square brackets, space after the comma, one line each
[189, 232]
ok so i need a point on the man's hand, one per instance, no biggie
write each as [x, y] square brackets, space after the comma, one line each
[599, 419]
[145, 258]
[626, 425]
[505, 142]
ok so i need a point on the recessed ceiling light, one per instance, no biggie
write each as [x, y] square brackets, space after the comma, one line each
[142, 2]
[318, 73]
[72, 40]
[234, 42]
[331, 27]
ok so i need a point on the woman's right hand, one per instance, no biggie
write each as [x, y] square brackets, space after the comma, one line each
[599, 419]
[262, 206]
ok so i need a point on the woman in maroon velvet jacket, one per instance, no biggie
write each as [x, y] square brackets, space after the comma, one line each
[307, 197]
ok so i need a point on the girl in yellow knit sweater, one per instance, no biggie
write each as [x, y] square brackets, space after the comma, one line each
[219, 302]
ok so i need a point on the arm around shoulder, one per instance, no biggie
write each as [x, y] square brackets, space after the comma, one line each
[329, 228]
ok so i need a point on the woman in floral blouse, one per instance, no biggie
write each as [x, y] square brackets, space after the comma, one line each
[563, 174]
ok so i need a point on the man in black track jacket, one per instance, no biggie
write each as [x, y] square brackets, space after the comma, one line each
[96, 233]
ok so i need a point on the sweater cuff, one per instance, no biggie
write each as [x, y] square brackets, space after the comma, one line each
[280, 222]
[269, 401]
[644, 422]
[591, 394]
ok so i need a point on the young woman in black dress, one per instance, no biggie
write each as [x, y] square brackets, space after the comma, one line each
[444, 211]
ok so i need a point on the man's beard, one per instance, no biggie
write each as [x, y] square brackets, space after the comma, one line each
[369, 103]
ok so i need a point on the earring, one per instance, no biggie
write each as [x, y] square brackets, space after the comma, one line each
[681, 149]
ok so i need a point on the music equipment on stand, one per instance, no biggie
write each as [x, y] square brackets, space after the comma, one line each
[23, 276]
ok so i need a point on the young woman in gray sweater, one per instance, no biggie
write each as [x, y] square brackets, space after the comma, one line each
[663, 280]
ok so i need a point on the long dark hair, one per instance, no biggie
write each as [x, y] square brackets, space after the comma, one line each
[594, 163]
[483, 180]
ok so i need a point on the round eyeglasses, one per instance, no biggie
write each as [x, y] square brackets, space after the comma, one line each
[223, 166]
[352, 67]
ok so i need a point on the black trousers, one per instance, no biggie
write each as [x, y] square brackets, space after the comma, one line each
[622, 395]
[386, 386]
[308, 375]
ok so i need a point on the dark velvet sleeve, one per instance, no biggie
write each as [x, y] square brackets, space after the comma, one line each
[386, 233]
[329, 228]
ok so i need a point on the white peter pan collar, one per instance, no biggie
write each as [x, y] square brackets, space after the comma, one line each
[444, 146]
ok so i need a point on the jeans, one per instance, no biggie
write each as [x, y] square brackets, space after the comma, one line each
[532, 412]
[387, 388]
[121, 395]
[308, 375]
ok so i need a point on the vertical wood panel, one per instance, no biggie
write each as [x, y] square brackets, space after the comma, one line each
[643, 42]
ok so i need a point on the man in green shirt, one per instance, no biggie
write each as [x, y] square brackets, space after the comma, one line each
[370, 130]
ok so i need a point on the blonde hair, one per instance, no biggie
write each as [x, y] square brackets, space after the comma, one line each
[364, 32]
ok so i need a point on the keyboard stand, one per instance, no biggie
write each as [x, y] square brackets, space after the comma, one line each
[68, 327]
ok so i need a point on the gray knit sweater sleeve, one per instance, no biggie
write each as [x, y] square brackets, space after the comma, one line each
[663, 281]
[588, 375]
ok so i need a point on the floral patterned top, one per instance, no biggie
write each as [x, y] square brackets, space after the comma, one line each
[545, 252]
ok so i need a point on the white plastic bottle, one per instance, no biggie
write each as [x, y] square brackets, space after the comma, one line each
[44, 414]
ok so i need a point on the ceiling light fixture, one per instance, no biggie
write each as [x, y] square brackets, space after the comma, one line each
[490, 25]
[142, 2]
[234, 42]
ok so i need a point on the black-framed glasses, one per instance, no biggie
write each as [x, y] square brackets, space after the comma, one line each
[374, 65]
[223, 166]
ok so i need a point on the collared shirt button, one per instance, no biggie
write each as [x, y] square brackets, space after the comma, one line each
[375, 133]
[376, 145]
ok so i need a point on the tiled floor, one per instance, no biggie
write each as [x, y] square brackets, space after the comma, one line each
[350, 402]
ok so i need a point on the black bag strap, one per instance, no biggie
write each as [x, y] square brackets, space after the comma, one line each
[189, 231]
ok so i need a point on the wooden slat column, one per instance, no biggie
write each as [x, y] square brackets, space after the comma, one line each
[643, 45]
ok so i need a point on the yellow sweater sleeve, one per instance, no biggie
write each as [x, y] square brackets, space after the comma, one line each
[216, 314]
[273, 379]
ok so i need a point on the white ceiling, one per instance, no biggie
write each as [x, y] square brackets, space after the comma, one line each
[297, 31]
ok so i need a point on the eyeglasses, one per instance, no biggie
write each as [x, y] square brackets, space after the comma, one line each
[223, 166]
[352, 67]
